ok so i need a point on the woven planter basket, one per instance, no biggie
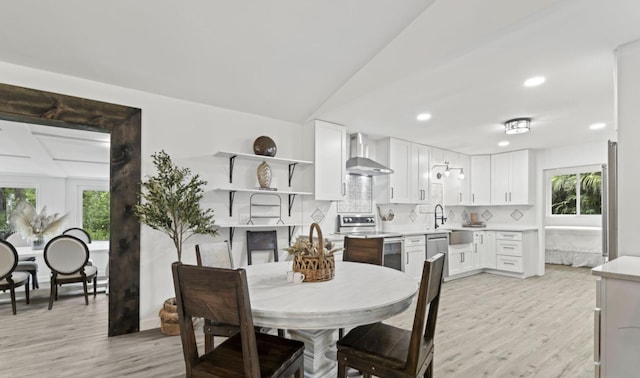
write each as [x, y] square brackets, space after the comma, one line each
[320, 267]
[169, 324]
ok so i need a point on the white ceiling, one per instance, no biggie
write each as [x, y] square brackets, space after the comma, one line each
[52, 151]
[371, 65]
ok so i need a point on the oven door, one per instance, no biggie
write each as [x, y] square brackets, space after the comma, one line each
[393, 253]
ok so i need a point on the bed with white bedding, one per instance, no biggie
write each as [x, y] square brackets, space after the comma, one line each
[573, 245]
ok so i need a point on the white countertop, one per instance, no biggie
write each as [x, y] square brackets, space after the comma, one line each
[492, 227]
[622, 268]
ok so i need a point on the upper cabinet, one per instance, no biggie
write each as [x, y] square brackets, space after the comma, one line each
[394, 188]
[512, 178]
[456, 186]
[419, 177]
[480, 180]
[326, 144]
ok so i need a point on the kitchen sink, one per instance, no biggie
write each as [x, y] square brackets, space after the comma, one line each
[460, 237]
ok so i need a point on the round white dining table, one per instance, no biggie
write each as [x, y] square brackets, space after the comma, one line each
[312, 311]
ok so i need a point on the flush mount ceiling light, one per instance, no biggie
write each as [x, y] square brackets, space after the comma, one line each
[517, 126]
[423, 117]
[598, 126]
[534, 81]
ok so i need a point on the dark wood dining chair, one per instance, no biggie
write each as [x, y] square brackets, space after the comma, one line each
[262, 241]
[215, 255]
[222, 295]
[387, 351]
[363, 250]
[9, 278]
[67, 257]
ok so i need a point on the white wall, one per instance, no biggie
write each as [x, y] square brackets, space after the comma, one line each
[191, 133]
[628, 118]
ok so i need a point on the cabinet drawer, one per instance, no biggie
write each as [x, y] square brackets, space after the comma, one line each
[504, 235]
[414, 240]
[509, 248]
[509, 263]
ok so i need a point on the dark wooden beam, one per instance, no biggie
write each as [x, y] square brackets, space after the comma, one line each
[124, 123]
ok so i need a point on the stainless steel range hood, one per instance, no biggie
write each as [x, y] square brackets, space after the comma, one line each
[359, 163]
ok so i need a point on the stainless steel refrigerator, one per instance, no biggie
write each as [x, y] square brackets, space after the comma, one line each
[610, 203]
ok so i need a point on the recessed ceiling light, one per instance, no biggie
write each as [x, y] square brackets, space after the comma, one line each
[423, 117]
[503, 143]
[598, 126]
[534, 81]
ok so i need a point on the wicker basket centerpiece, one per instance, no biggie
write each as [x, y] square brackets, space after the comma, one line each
[314, 260]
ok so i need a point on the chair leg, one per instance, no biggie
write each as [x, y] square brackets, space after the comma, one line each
[34, 279]
[86, 294]
[54, 292]
[300, 372]
[342, 370]
[281, 332]
[340, 333]
[26, 291]
[429, 372]
[13, 299]
[95, 284]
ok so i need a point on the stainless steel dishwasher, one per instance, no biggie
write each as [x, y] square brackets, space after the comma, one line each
[437, 243]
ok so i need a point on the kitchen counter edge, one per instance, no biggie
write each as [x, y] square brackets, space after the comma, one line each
[622, 268]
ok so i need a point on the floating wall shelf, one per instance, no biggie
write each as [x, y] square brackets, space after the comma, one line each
[232, 156]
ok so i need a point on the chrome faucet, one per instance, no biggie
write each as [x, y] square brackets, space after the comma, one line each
[435, 215]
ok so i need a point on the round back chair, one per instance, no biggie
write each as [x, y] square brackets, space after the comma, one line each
[8, 259]
[67, 257]
[66, 254]
[78, 233]
[9, 279]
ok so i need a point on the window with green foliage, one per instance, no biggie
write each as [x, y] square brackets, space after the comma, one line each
[9, 198]
[576, 194]
[95, 213]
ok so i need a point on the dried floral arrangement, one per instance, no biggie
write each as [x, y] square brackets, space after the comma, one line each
[34, 225]
[303, 246]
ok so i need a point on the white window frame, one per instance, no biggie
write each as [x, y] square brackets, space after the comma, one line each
[568, 219]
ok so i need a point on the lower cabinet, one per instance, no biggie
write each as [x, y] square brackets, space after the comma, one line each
[513, 253]
[460, 258]
[509, 251]
[617, 318]
[415, 249]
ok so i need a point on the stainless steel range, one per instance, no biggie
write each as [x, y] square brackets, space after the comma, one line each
[364, 226]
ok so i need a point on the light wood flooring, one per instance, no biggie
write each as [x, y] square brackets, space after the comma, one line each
[488, 326]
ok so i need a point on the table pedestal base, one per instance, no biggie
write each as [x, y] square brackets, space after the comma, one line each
[316, 345]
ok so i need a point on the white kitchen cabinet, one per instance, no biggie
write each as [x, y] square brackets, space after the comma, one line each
[415, 252]
[617, 318]
[329, 153]
[395, 154]
[489, 246]
[456, 189]
[460, 259]
[512, 178]
[478, 250]
[485, 248]
[480, 180]
[419, 173]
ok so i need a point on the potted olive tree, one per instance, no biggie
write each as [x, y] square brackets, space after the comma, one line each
[170, 202]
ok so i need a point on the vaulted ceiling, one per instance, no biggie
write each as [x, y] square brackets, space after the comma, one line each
[371, 65]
